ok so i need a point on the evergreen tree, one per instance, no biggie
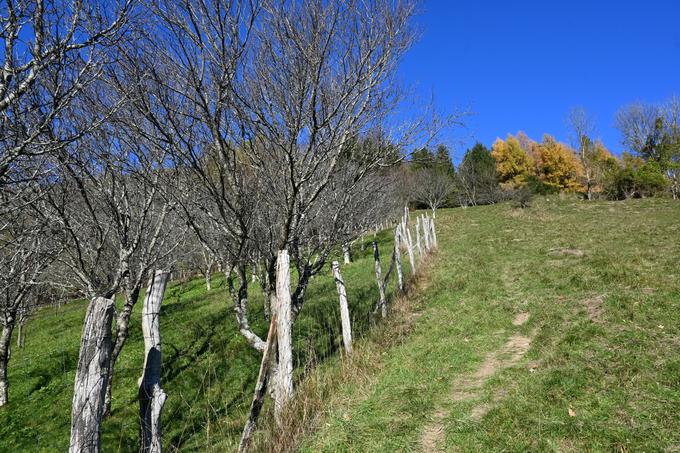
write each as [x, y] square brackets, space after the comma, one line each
[422, 158]
[477, 181]
[442, 160]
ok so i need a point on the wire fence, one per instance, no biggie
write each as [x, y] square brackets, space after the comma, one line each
[208, 371]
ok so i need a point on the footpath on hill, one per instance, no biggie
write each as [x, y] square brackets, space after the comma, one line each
[551, 328]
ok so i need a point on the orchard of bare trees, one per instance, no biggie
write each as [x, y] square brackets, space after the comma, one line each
[144, 138]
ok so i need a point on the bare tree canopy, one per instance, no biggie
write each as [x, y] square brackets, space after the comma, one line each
[52, 50]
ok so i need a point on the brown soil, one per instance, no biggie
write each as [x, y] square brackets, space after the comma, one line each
[594, 308]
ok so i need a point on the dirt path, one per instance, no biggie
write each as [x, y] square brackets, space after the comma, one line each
[467, 387]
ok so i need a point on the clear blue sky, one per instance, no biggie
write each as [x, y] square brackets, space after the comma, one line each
[521, 65]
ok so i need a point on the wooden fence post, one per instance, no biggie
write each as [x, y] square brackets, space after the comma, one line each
[397, 257]
[434, 233]
[426, 234]
[344, 310]
[346, 254]
[284, 374]
[151, 395]
[418, 240]
[378, 277]
[268, 359]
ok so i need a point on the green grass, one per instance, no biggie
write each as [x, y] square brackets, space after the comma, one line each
[209, 371]
[619, 372]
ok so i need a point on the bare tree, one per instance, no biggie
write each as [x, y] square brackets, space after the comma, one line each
[432, 187]
[636, 122]
[582, 128]
[106, 200]
[653, 132]
[52, 50]
[26, 250]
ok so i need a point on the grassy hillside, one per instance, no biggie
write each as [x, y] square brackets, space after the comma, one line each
[553, 328]
[209, 371]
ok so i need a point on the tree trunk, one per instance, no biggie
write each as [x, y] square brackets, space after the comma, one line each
[378, 277]
[284, 375]
[346, 253]
[208, 279]
[344, 310]
[397, 257]
[363, 244]
[5, 339]
[151, 395]
[122, 333]
[268, 358]
[92, 376]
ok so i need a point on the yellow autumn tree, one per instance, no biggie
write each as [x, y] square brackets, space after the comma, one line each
[557, 166]
[513, 164]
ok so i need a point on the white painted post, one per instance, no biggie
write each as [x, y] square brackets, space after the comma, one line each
[344, 309]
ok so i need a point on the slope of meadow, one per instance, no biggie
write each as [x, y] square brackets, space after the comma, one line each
[552, 328]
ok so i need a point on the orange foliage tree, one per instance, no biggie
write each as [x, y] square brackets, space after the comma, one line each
[513, 165]
[557, 166]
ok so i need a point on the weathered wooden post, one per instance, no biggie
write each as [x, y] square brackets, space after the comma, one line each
[346, 253]
[284, 374]
[434, 233]
[268, 359]
[344, 309]
[378, 277]
[92, 376]
[426, 234]
[409, 249]
[151, 395]
[418, 241]
[397, 256]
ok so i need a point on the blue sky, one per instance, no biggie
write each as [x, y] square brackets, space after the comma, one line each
[521, 65]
